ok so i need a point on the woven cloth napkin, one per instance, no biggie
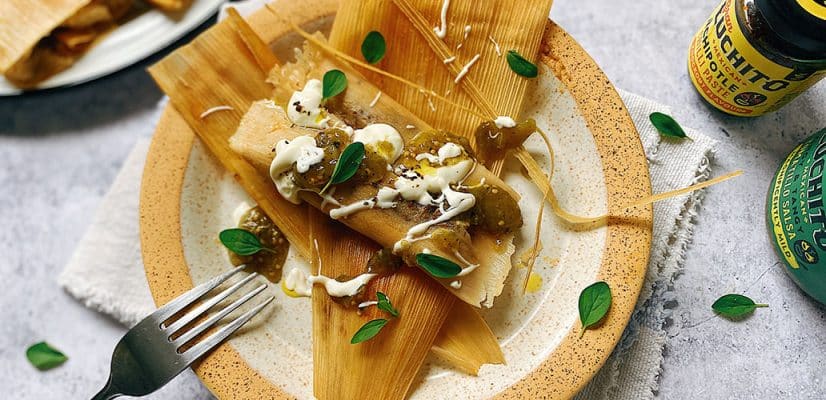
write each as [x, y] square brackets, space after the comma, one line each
[106, 272]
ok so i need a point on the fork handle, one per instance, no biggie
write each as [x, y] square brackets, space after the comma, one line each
[108, 392]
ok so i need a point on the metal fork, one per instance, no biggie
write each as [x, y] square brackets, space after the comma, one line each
[151, 353]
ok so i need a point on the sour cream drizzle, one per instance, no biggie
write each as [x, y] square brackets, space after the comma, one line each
[302, 152]
[503, 121]
[299, 282]
[466, 68]
[304, 108]
[441, 30]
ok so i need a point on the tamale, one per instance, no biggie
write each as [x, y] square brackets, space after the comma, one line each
[185, 76]
[26, 22]
[385, 366]
[39, 38]
[387, 226]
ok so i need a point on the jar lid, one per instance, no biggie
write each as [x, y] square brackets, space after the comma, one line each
[800, 23]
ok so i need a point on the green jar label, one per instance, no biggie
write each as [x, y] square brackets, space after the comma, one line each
[797, 216]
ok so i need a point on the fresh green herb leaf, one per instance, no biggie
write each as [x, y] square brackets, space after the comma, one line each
[438, 266]
[333, 83]
[735, 305]
[385, 305]
[373, 47]
[347, 165]
[594, 302]
[520, 65]
[241, 241]
[666, 125]
[43, 356]
[368, 331]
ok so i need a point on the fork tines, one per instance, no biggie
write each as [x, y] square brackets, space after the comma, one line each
[180, 337]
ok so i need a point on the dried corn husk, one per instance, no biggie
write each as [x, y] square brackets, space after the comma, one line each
[188, 77]
[466, 342]
[385, 366]
[513, 25]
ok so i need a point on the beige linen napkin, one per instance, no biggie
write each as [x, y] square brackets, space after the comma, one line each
[106, 272]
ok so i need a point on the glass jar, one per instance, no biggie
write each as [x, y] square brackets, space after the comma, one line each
[754, 56]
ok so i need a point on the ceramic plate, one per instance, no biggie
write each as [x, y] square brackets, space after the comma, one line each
[131, 42]
[187, 198]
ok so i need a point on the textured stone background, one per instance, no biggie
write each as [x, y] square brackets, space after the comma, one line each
[59, 151]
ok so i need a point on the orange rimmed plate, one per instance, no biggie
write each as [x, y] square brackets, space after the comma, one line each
[187, 198]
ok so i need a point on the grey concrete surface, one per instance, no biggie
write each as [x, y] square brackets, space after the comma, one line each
[59, 151]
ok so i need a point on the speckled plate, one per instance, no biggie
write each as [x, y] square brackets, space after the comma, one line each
[187, 198]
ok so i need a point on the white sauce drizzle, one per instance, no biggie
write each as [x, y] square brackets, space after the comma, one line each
[299, 282]
[375, 99]
[430, 104]
[441, 30]
[304, 108]
[351, 208]
[456, 284]
[400, 244]
[503, 121]
[302, 152]
[385, 198]
[466, 68]
[366, 304]
[214, 110]
[449, 59]
[469, 268]
[467, 32]
[410, 126]
[495, 46]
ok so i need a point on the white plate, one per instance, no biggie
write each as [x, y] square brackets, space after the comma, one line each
[131, 42]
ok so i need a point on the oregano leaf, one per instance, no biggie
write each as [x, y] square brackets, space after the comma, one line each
[373, 47]
[385, 305]
[735, 305]
[666, 125]
[594, 302]
[520, 65]
[347, 165]
[438, 266]
[43, 356]
[240, 241]
[333, 83]
[368, 331]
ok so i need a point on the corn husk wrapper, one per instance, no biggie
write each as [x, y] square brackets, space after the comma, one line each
[415, 53]
[382, 367]
[188, 76]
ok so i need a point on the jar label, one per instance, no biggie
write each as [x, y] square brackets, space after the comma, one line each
[797, 214]
[733, 76]
[814, 7]
[796, 205]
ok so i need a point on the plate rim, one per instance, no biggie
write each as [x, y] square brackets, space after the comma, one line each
[573, 363]
[115, 67]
